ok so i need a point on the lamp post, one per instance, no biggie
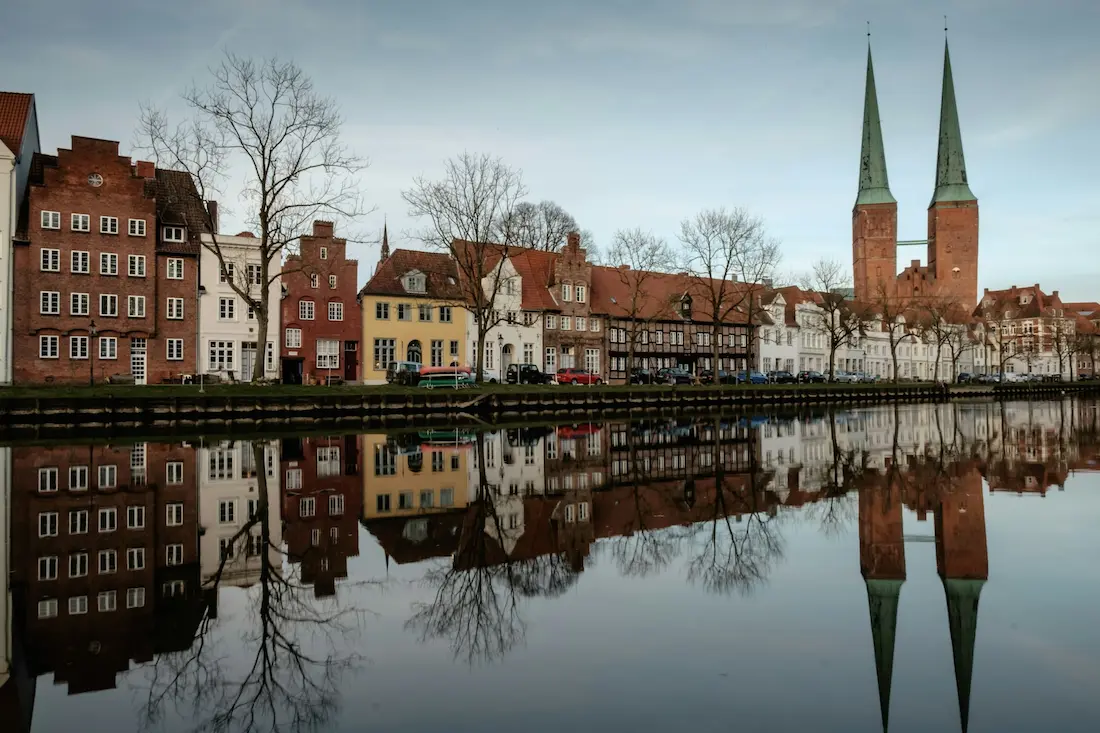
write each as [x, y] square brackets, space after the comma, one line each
[500, 353]
[92, 331]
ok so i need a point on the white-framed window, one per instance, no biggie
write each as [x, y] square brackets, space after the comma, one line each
[108, 263]
[79, 304]
[173, 515]
[47, 568]
[135, 517]
[293, 338]
[226, 273]
[78, 347]
[324, 253]
[135, 306]
[78, 521]
[108, 347]
[108, 305]
[80, 263]
[566, 292]
[314, 280]
[137, 228]
[78, 605]
[48, 347]
[135, 598]
[336, 505]
[551, 322]
[47, 524]
[227, 309]
[108, 225]
[108, 519]
[581, 294]
[47, 608]
[227, 511]
[255, 275]
[594, 325]
[49, 260]
[174, 473]
[445, 314]
[175, 309]
[307, 507]
[78, 478]
[108, 477]
[175, 268]
[335, 311]
[80, 222]
[221, 355]
[173, 554]
[293, 479]
[331, 282]
[305, 310]
[551, 359]
[582, 323]
[172, 234]
[566, 323]
[174, 349]
[47, 480]
[108, 562]
[135, 558]
[135, 265]
[328, 354]
[49, 302]
[50, 219]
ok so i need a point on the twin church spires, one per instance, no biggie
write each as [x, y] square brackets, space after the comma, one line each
[952, 269]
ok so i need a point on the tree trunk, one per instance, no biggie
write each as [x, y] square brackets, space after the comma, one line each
[629, 350]
[716, 349]
[894, 358]
[261, 336]
[479, 355]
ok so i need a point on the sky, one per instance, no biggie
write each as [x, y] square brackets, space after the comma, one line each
[639, 113]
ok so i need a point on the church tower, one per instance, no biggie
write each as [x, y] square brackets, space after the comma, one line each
[953, 213]
[875, 215]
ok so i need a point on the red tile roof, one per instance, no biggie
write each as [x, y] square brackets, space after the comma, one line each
[15, 107]
[535, 268]
[613, 289]
[178, 202]
[1008, 300]
[439, 269]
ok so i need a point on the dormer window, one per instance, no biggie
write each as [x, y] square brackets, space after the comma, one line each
[173, 234]
[415, 282]
[685, 306]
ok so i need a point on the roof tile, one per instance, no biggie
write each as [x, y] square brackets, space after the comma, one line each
[440, 271]
[14, 109]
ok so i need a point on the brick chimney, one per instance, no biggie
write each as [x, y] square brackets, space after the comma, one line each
[1054, 294]
[915, 264]
[212, 212]
[323, 229]
[145, 169]
[573, 240]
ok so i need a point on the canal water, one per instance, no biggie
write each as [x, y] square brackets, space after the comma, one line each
[916, 567]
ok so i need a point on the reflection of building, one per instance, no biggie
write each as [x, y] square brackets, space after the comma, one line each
[105, 557]
[229, 496]
[322, 502]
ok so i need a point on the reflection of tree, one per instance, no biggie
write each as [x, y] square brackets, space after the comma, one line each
[642, 550]
[835, 510]
[294, 652]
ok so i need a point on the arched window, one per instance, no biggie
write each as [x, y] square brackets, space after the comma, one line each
[413, 353]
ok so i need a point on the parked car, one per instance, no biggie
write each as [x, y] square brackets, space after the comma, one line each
[707, 377]
[674, 375]
[488, 376]
[642, 376]
[751, 377]
[843, 377]
[781, 377]
[811, 377]
[865, 378]
[403, 372]
[527, 374]
[965, 378]
[577, 376]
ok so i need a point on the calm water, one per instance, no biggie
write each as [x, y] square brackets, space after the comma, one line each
[933, 564]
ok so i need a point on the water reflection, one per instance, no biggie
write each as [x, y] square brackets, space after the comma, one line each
[214, 581]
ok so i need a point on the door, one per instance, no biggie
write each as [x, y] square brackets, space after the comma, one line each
[351, 361]
[248, 360]
[292, 371]
[137, 360]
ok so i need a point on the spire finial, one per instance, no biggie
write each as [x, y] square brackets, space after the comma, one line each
[385, 239]
[868, 33]
[945, 27]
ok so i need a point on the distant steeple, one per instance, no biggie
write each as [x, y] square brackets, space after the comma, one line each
[962, 618]
[951, 184]
[874, 187]
[385, 241]
[882, 599]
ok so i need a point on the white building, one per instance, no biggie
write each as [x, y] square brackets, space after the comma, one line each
[16, 152]
[517, 336]
[512, 472]
[777, 342]
[229, 480]
[227, 326]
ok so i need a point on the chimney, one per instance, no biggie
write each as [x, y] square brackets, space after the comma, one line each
[1054, 294]
[768, 282]
[573, 240]
[212, 212]
[915, 264]
[323, 229]
[145, 169]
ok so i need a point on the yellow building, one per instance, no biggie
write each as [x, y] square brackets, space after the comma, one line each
[411, 312]
[413, 475]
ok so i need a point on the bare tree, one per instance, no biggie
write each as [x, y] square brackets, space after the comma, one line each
[543, 226]
[642, 257]
[1062, 341]
[894, 311]
[944, 321]
[468, 212]
[732, 260]
[1087, 346]
[838, 320]
[265, 119]
[996, 319]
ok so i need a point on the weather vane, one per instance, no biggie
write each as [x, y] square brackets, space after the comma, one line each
[868, 29]
[945, 26]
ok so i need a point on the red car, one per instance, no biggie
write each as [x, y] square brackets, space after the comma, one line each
[577, 376]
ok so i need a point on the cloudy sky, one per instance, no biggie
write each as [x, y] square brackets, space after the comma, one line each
[641, 112]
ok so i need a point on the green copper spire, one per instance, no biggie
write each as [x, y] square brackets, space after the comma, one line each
[962, 617]
[874, 188]
[882, 599]
[951, 182]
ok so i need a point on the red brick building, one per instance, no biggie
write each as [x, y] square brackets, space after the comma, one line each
[320, 314]
[105, 564]
[106, 269]
[322, 503]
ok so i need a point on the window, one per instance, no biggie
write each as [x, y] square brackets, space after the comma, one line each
[437, 353]
[78, 565]
[136, 265]
[47, 608]
[78, 347]
[582, 324]
[227, 309]
[80, 222]
[324, 253]
[137, 227]
[135, 517]
[172, 234]
[78, 304]
[174, 473]
[108, 225]
[173, 554]
[48, 347]
[384, 350]
[293, 479]
[551, 359]
[49, 302]
[47, 524]
[108, 347]
[227, 511]
[382, 311]
[135, 558]
[328, 354]
[416, 283]
[566, 292]
[454, 349]
[336, 505]
[78, 521]
[425, 312]
[305, 310]
[566, 323]
[108, 519]
[226, 273]
[336, 311]
[580, 293]
[174, 515]
[445, 314]
[80, 263]
[255, 275]
[331, 282]
[314, 280]
[78, 478]
[175, 268]
[108, 562]
[78, 605]
[51, 220]
[551, 322]
[47, 568]
[404, 312]
[221, 355]
[49, 260]
[175, 309]
[135, 306]
[108, 305]
[307, 507]
[382, 503]
[135, 598]
[108, 263]
[47, 480]
[294, 338]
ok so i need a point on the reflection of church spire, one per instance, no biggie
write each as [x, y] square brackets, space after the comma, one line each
[882, 598]
[962, 616]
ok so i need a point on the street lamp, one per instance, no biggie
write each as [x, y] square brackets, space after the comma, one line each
[500, 352]
[92, 331]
